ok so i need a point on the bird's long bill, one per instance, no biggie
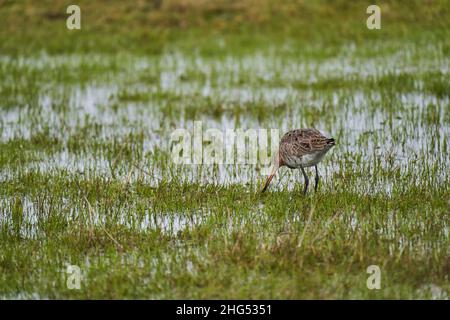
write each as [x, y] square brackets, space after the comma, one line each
[275, 167]
[269, 179]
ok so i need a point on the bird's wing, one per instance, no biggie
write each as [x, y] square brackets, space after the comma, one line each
[303, 141]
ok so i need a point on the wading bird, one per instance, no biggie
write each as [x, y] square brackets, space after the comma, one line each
[301, 148]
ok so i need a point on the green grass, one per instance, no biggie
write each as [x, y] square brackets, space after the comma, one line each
[87, 178]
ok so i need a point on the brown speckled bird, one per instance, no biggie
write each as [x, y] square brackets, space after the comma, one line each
[301, 148]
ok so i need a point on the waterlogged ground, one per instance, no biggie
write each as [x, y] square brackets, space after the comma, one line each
[87, 177]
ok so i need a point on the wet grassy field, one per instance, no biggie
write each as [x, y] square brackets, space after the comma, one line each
[87, 177]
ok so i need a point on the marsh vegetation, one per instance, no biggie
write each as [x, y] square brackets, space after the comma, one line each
[86, 176]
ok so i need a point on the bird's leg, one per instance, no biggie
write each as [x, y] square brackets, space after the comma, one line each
[317, 179]
[306, 180]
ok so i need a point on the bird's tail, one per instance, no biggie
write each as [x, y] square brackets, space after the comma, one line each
[331, 142]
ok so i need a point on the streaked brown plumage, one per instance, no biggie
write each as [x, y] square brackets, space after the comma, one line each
[301, 148]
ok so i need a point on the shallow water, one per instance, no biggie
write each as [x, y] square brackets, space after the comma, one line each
[372, 136]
